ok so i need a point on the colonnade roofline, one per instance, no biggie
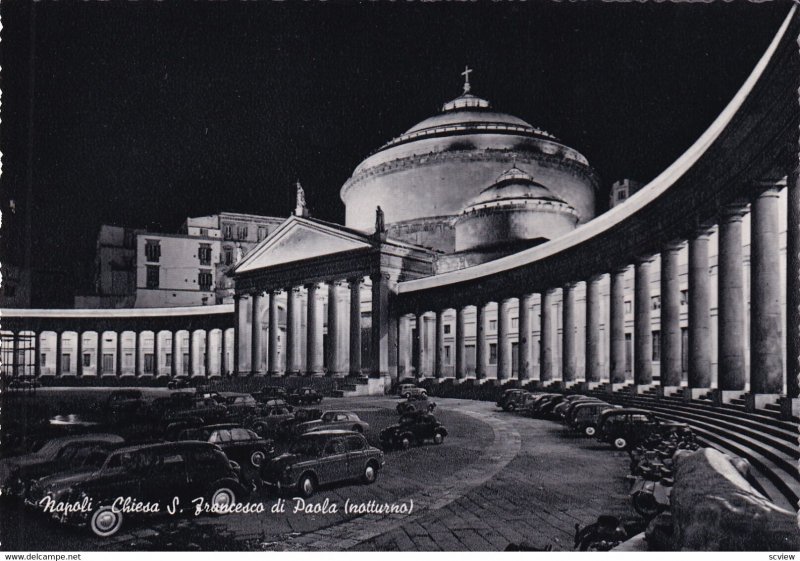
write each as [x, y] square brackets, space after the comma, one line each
[116, 313]
[719, 168]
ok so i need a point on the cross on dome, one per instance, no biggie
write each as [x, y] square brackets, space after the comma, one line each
[465, 74]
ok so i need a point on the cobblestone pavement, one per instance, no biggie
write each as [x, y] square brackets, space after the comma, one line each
[498, 479]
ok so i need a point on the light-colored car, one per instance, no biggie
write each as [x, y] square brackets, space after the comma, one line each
[341, 420]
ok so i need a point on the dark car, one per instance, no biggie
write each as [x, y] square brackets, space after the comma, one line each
[511, 399]
[321, 458]
[58, 454]
[270, 392]
[23, 383]
[407, 391]
[416, 402]
[240, 405]
[238, 443]
[291, 425]
[564, 408]
[275, 402]
[204, 408]
[545, 407]
[270, 422]
[625, 428]
[148, 474]
[124, 404]
[530, 403]
[179, 383]
[343, 420]
[304, 396]
[413, 429]
[585, 415]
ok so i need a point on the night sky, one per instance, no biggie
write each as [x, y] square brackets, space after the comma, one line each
[147, 113]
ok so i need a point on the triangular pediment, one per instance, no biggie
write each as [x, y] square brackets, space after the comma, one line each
[299, 239]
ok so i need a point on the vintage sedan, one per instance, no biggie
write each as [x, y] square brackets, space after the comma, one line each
[418, 402]
[58, 454]
[412, 429]
[626, 427]
[238, 443]
[321, 458]
[240, 405]
[124, 404]
[270, 423]
[344, 420]
[585, 415]
[204, 408]
[139, 481]
[179, 383]
[304, 396]
[269, 392]
[511, 399]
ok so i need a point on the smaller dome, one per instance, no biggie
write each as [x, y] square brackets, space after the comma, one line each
[513, 185]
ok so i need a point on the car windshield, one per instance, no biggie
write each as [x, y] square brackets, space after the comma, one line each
[305, 446]
[96, 458]
[328, 417]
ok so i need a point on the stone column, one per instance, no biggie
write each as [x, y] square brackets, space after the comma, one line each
[461, 348]
[15, 353]
[420, 358]
[313, 338]
[237, 335]
[546, 330]
[274, 330]
[480, 341]
[642, 330]
[699, 316]
[155, 352]
[292, 311]
[524, 337]
[136, 365]
[174, 350]
[730, 333]
[333, 354]
[438, 370]
[617, 328]
[79, 347]
[192, 349]
[223, 350]
[670, 320]
[503, 350]
[404, 344]
[593, 373]
[37, 361]
[207, 355]
[793, 279]
[355, 326]
[380, 330]
[766, 360]
[118, 361]
[568, 346]
[255, 334]
[99, 353]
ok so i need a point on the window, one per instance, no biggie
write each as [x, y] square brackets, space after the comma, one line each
[152, 250]
[228, 255]
[447, 329]
[684, 297]
[42, 358]
[492, 353]
[628, 307]
[65, 366]
[514, 323]
[656, 346]
[148, 363]
[204, 232]
[655, 302]
[262, 233]
[447, 358]
[204, 279]
[185, 363]
[355, 443]
[108, 362]
[204, 254]
[493, 325]
[168, 358]
[128, 360]
[152, 276]
[227, 231]
[87, 359]
[622, 194]
[241, 232]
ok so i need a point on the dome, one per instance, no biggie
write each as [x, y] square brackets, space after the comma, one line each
[424, 178]
[513, 186]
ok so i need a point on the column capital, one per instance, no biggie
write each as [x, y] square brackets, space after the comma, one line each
[702, 232]
[621, 270]
[311, 286]
[355, 280]
[673, 246]
[294, 289]
[643, 259]
[569, 285]
[379, 276]
[733, 212]
[595, 278]
[275, 291]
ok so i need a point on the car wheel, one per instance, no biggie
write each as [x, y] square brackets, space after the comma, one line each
[105, 521]
[438, 438]
[223, 497]
[620, 443]
[257, 458]
[357, 428]
[646, 505]
[589, 431]
[511, 407]
[307, 485]
[370, 473]
[405, 442]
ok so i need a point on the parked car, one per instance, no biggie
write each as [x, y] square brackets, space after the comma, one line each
[152, 473]
[625, 428]
[511, 399]
[321, 458]
[291, 425]
[413, 429]
[238, 443]
[403, 390]
[275, 402]
[57, 454]
[414, 391]
[270, 422]
[530, 403]
[123, 404]
[344, 420]
[562, 409]
[585, 415]
[240, 405]
[304, 396]
[416, 402]
[204, 408]
[179, 383]
[270, 392]
[23, 382]
[545, 407]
